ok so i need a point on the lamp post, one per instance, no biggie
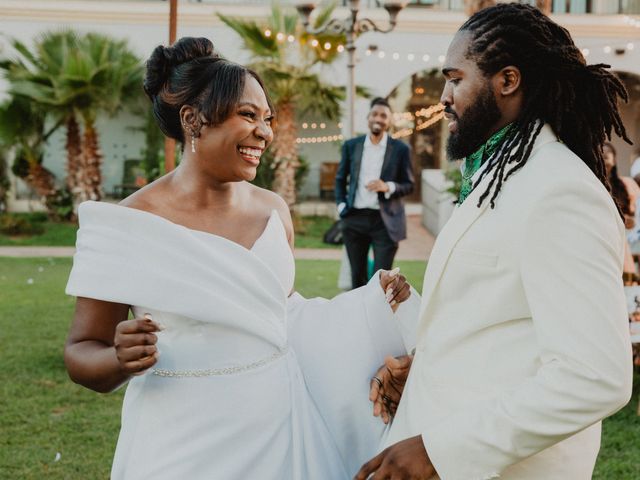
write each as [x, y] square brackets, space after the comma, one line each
[352, 26]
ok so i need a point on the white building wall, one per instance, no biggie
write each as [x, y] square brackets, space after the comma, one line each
[420, 32]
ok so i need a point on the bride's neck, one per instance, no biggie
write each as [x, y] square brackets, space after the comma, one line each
[202, 188]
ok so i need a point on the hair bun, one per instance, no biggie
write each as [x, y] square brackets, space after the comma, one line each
[164, 59]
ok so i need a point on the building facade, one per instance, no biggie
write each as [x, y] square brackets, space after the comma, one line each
[402, 65]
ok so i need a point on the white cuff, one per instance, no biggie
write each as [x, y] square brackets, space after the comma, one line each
[392, 189]
[341, 207]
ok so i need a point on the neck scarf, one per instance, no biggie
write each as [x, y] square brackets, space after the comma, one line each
[474, 161]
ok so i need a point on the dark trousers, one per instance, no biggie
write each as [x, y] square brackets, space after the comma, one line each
[362, 228]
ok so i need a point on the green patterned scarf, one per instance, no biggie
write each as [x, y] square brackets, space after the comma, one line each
[474, 161]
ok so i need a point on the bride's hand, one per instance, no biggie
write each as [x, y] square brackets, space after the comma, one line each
[395, 287]
[387, 386]
[135, 345]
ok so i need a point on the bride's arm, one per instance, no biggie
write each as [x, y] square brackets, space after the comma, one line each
[103, 349]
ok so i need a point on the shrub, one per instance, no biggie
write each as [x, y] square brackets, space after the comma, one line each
[19, 225]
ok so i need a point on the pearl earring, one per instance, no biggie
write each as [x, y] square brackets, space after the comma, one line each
[193, 143]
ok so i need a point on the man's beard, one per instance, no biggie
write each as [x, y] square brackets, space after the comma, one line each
[376, 129]
[474, 127]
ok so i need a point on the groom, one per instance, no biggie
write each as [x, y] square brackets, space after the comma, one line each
[523, 341]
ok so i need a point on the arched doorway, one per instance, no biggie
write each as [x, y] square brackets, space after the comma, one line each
[417, 120]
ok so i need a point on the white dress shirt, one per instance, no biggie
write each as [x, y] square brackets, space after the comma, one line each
[370, 170]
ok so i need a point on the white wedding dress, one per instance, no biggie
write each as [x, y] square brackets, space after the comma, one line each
[250, 384]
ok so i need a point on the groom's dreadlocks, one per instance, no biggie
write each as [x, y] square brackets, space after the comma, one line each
[579, 101]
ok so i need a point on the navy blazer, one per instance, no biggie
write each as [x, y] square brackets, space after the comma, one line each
[396, 168]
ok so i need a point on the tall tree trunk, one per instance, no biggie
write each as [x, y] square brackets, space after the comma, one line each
[4, 183]
[41, 180]
[90, 187]
[74, 154]
[286, 154]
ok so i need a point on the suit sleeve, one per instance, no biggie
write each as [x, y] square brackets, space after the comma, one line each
[342, 175]
[405, 181]
[571, 267]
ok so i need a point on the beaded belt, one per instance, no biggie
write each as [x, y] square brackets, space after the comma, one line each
[211, 372]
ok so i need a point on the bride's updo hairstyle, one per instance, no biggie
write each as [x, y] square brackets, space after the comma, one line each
[191, 73]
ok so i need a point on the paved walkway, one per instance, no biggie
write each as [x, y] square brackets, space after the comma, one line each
[417, 246]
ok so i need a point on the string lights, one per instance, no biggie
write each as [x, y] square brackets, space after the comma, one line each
[321, 139]
[374, 52]
[425, 117]
[405, 132]
[427, 112]
[314, 125]
[427, 123]
[421, 119]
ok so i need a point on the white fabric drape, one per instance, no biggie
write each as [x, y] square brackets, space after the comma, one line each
[283, 386]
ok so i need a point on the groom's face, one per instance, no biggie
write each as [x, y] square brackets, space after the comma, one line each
[469, 100]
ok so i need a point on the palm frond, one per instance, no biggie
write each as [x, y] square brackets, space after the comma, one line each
[363, 92]
[253, 37]
[324, 15]
[290, 22]
[22, 49]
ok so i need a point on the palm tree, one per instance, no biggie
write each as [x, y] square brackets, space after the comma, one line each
[73, 77]
[22, 132]
[284, 56]
[111, 74]
[33, 76]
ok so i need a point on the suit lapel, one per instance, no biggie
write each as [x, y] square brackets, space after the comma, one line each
[463, 217]
[387, 157]
[357, 161]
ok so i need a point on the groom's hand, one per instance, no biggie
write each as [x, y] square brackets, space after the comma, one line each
[387, 386]
[405, 460]
[395, 287]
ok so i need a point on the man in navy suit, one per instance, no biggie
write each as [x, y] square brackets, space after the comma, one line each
[374, 174]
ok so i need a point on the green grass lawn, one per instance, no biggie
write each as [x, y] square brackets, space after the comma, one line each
[309, 232]
[42, 413]
[54, 234]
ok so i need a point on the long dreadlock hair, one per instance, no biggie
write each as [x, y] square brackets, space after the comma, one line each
[579, 101]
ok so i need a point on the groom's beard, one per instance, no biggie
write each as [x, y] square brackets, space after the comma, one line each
[474, 126]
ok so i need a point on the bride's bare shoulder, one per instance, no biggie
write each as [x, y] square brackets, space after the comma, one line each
[147, 198]
[269, 201]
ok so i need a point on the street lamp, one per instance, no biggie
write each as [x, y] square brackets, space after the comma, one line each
[351, 26]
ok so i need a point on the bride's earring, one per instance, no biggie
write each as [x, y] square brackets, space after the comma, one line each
[193, 143]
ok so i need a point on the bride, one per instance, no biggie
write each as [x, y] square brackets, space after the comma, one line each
[230, 376]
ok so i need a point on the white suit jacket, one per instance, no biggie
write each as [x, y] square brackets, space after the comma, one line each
[523, 340]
